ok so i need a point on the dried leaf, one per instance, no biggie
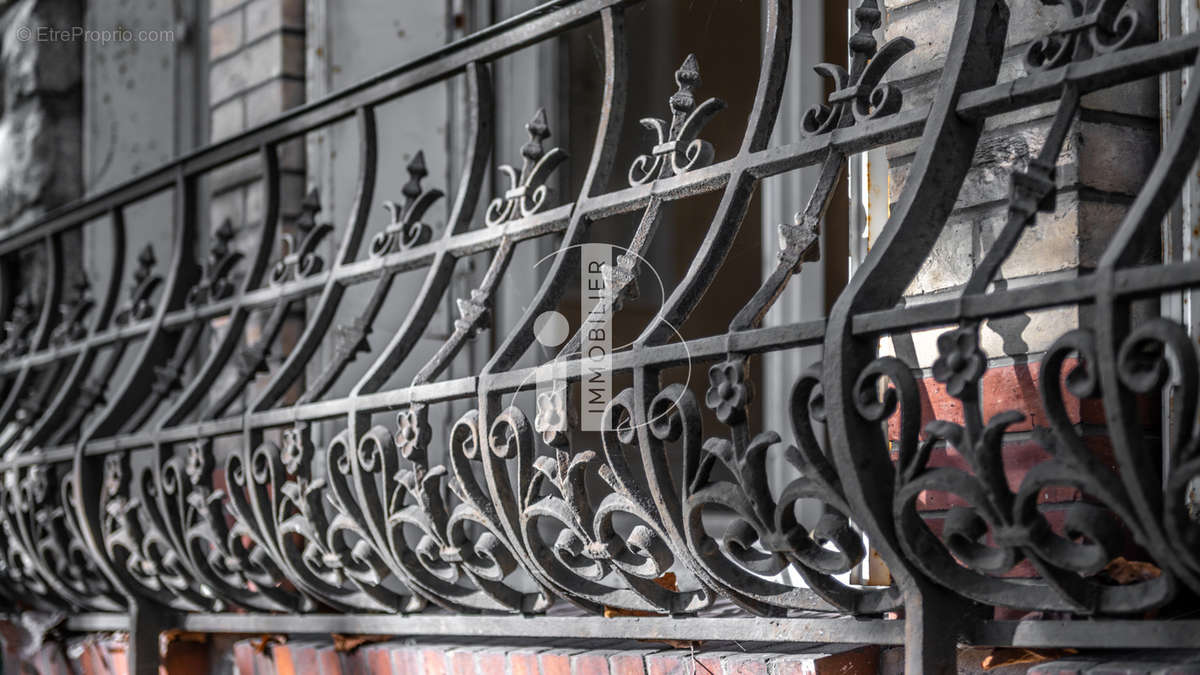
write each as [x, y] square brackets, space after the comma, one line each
[1125, 572]
[348, 643]
[1011, 656]
[267, 640]
[667, 581]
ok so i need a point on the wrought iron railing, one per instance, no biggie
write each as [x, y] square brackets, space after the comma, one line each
[110, 510]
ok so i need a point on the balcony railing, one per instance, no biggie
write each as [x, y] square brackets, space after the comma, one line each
[117, 506]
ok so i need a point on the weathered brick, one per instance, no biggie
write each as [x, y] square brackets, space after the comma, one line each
[281, 655]
[228, 119]
[243, 654]
[379, 657]
[523, 662]
[263, 662]
[405, 658]
[225, 35]
[628, 662]
[950, 261]
[291, 192]
[1118, 156]
[227, 206]
[267, 16]
[493, 660]
[433, 660]
[862, 660]
[590, 662]
[271, 57]
[674, 662]
[266, 101]
[460, 661]
[747, 663]
[1099, 154]
[219, 7]
[330, 661]
[555, 661]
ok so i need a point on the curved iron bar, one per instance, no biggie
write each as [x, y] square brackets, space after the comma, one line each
[859, 449]
[1145, 359]
[41, 331]
[175, 538]
[644, 416]
[94, 480]
[504, 434]
[22, 549]
[279, 519]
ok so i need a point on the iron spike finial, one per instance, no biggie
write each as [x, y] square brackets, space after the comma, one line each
[309, 208]
[416, 172]
[687, 79]
[539, 131]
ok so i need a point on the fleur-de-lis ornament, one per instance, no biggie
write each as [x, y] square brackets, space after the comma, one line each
[300, 260]
[1095, 27]
[72, 326]
[138, 307]
[678, 149]
[860, 93]
[214, 283]
[406, 229]
[529, 190]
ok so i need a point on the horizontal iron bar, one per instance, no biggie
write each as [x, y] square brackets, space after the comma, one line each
[1135, 282]
[843, 630]
[663, 356]
[1084, 634]
[1132, 282]
[1093, 74]
[1098, 634]
[1138, 281]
